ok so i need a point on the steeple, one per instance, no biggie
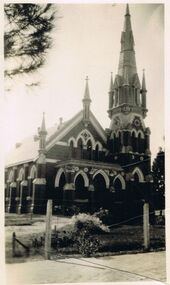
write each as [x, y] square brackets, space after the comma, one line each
[42, 135]
[127, 59]
[86, 102]
[124, 92]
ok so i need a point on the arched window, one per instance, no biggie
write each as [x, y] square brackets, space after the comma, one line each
[117, 185]
[119, 144]
[60, 181]
[134, 142]
[139, 143]
[21, 175]
[114, 143]
[97, 153]
[136, 96]
[71, 149]
[33, 172]
[11, 176]
[80, 148]
[138, 175]
[89, 150]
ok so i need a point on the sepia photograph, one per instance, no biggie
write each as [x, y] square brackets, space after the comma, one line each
[84, 142]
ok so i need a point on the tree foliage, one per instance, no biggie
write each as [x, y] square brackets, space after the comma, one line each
[27, 36]
[158, 172]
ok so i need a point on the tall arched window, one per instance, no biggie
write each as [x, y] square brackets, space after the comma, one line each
[139, 143]
[80, 148]
[119, 144]
[89, 150]
[97, 153]
[134, 142]
[114, 143]
[71, 149]
[136, 96]
[136, 177]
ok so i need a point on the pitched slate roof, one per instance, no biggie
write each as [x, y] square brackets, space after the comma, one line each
[27, 150]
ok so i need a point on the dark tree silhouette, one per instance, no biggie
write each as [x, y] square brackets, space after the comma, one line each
[27, 36]
[158, 173]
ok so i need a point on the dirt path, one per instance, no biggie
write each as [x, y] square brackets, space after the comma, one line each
[134, 267]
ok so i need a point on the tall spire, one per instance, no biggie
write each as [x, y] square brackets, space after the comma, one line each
[127, 55]
[86, 101]
[127, 22]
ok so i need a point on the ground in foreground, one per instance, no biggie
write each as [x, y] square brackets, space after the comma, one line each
[133, 267]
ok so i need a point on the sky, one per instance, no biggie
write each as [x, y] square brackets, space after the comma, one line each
[86, 41]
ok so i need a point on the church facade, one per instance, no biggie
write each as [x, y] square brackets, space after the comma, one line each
[78, 163]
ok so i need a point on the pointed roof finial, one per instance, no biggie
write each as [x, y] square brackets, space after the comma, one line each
[127, 10]
[87, 93]
[111, 83]
[43, 128]
[127, 23]
[143, 81]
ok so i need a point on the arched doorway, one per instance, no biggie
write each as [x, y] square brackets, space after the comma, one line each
[119, 187]
[138, 179]
[100, 190]
[59, 194]
[81, 192]
[118, 190]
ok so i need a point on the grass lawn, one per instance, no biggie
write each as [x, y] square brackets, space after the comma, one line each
[125, 238]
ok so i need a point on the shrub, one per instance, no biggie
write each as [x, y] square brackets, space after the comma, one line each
[90, 223]
[105, 216]
[86, 245]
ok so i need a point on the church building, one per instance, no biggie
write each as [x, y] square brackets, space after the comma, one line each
[78, 163]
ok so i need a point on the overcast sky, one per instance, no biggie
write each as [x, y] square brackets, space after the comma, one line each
[87, 42]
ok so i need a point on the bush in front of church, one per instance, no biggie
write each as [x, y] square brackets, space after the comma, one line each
[88, 222]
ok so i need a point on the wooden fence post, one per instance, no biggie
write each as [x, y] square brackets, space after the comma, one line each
[146, 225]
[13, 244]
[48, 230]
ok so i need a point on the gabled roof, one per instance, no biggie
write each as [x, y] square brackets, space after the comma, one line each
[27, 150]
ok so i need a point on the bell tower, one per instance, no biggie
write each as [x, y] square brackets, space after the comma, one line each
[128, 135]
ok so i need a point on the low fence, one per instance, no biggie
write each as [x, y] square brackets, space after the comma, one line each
[17, 241]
